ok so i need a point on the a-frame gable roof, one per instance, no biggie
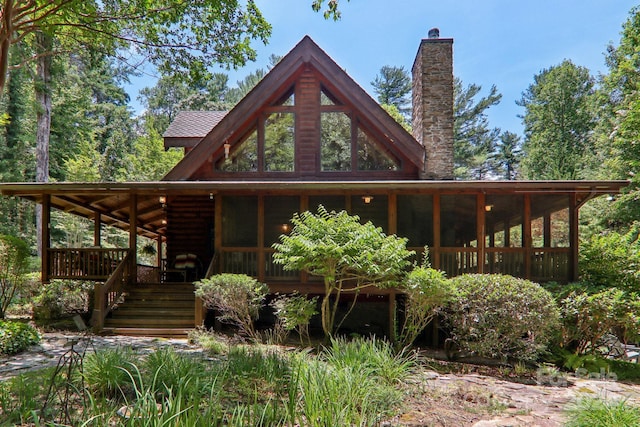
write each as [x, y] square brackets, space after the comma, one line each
[306, 52]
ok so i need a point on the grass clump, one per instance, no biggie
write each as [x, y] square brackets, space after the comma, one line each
[597, 412]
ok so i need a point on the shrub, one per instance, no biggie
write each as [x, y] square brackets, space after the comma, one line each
[588, 317]
[294, 312]
[237, 297]
[426, 291]
[16, 337]
[62, 298]
[501, 316]
[612, 259]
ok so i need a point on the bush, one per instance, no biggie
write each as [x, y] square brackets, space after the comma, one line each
[62, 298]
[237, 297]
[16, 337]
[294, 312]
[501, 316]
[14, 264]
[426, 291]
[588, 316]
[612, 259]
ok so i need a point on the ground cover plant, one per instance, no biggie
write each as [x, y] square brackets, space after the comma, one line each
[349, 382]
[16, 337]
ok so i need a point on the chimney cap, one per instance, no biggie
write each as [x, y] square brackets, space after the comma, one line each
[434, 33]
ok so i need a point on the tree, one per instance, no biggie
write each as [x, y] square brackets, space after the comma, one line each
[618, 121]
[14, 262]
[393, 86]
[177, 37]
[350, 256]
[508, 155]
[559, 123]
[473, 141]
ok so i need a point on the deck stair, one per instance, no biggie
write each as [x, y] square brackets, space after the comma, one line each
[154, 309]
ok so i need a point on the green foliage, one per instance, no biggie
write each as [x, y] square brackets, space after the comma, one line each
[508, 155]
[587, 315]
[237, 297]
[350, 256]
[211, 342]
[393, 87]
[501, 316]
[474, 141]
[374, 356]
[559, 122]
[62, 298]
[111, 372]
[426, 290]
[294, 312]
[16, 337]
[14, 262]
[598, 412]
[172, 372]
[612, 259]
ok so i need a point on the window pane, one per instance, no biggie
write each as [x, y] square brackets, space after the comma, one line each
[243, 158]
[279, 142]
[376, 210]
[335, 141]
[503, 220]
[458, 221]
[278, 211]
[240, 221]
[370, 158]
[415, 219]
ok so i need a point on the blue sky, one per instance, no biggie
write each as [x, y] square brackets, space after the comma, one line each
[501, 42]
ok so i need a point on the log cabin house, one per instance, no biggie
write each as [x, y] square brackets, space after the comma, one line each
[307, 135]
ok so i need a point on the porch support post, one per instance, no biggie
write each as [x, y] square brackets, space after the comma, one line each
[97, 225]
[436, 232]
[133, 237]
[574, 208]
[46, 236]
[159, 251]
[527, 243]
[480, 231]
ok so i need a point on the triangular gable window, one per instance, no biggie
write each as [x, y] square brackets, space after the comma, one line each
[243, 158]
[371, 158]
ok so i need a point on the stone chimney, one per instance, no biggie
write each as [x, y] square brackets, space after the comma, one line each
[433, 104]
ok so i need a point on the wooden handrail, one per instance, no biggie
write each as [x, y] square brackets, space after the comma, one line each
[213, 266]
[108, 294]
[84, 263]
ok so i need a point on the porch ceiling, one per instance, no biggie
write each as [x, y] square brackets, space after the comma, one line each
[112, 200]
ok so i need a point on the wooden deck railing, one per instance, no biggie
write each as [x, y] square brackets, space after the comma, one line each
[84, 263]
[108, 294]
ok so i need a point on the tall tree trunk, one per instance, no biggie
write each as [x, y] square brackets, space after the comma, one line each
[44, 43]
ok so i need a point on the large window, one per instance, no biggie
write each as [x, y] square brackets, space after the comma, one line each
[335, 141]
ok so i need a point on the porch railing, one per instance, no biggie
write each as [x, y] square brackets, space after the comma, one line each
[108, 295]
[84, 263]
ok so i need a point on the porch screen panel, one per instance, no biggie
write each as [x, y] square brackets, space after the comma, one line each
[458, 220]
[550, 221]
[240, 221]
[415, 219]
[376, 211]
[278, 211]
[504, 216]
[330, 203]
